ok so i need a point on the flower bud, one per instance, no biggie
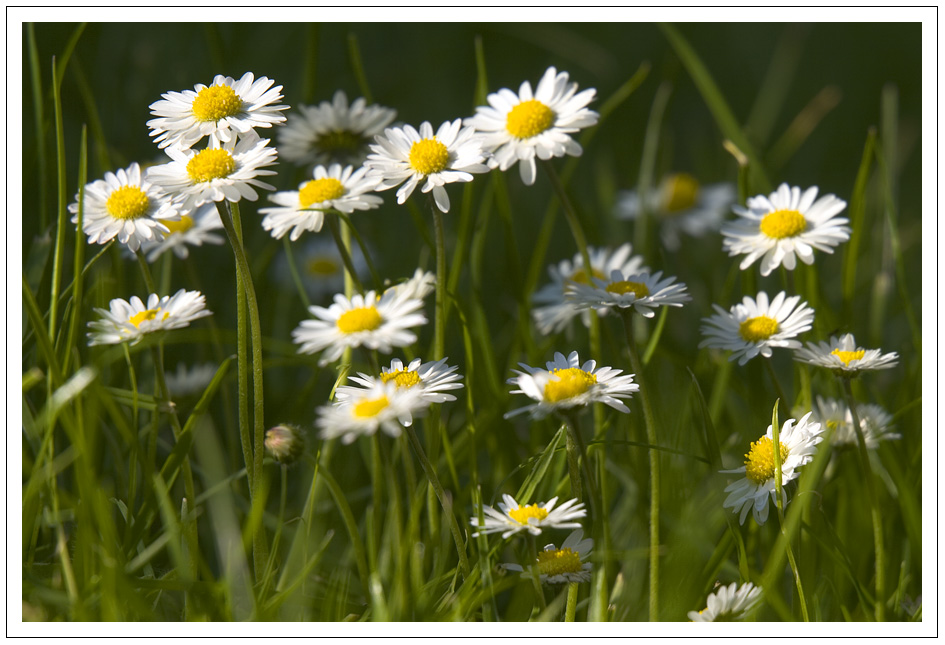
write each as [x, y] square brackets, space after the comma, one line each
[285, 443]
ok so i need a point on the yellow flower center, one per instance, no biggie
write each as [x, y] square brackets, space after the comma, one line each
[758, 328]
[371, 407]
[147, 314]
[182, 225]
[212, 163]
[321, 266]
[339, 140]
[679, 192]
[128, 202]
[402, 378]
[783, 223]
[529, 118]
[638, 289]
[428, 156]
[759, 465]
[524, 513]
[581, 276]
[363, 319]
[216, 102]
[846, 357]
[317, 191]
[571, 382]
[556, 561]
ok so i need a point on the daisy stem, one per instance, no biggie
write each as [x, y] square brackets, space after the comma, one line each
[576, 231]
[294, 271]
[577, 454]
[774, 379]
[876, 517]
[533, 569]
[572, 602]
[574, 467]
[343, 248]
[440, 242]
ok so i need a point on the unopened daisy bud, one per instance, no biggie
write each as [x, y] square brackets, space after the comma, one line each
[285, 443]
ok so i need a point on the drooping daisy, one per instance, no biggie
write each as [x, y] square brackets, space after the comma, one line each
[406, 156]
[875, 422]
[222, 111]
[751, 493]
[756, 326]
[364, 410]
[342, 189]
[642, 291]
[555, 311]
[376, 323]
[129, 321]
[191, 230]
[126, 206]
[211, 175]
[784, 224]
[519, 127]
[682, 205]
[844, 357]
[431, 380]
[332, 132]
[566, 383]
[567, 564]
[728, 604]
[190, 380]
[319, 265]
[531, 517]
[418, 286]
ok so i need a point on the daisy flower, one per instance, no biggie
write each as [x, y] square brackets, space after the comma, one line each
[419, 286]
[683, 206]
[785, 223]
[566, 383]
[642, 291]
[189, 380]
[126, 206]
[755, 326]
[364, 410]
[126, 321]
[555, 311]
[843, 356]
[728, 604]
[376, 323]
[875, 422]
[531, 517]
[222, 111]
[319, 265]
[186, 232]
[797, 448]
[227, 172]
[341, 189]
[519, 127]
[332, 132]
[431, 380]
[567, 564]
[406, 156]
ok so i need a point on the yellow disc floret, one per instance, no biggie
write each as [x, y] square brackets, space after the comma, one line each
[758, 328]
[317, 191]
[216, 102]
[783, 223]
[362, 319]
[679, 192]
[428, 156]
[141, 316]
[529, 118]
[571, 382]
[553, 562]
[581, 276]
[524, 513]
[128, 202]
[402, 378]
[370, 407]
[638, 289]
[182, 225]
[759, 463]
[212, 163]
[846, 357]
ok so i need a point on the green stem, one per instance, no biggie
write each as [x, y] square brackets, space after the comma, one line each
[439, 330]
[294, 271]
[533, 569]
[774, 379]
[572, 602]
[570, 214]
[343, 247]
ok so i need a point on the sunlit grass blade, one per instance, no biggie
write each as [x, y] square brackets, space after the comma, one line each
[857, 219]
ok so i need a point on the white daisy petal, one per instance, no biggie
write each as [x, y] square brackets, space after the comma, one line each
[512, 518]
[843, 356]
[126, 321]
[728, 604]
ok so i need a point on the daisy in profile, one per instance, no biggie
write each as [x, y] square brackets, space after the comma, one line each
[642, 291]
[419, 285]
[129, 321]
[875, 422]
[431, 380]
[682, 205]
[228, 172]
[844, 357]
[520, 127]
[785, 224]
[410, 157]
[558, 566]
[756, 326]
[363, 411]
[566, 383]
[332, 132]
[333, 188]
[512, 518]
[190, 380]
[222, 111]
[190, 230]
[126, 206]
[751, 493]
[376, 323]
[554, 311]
[728, 604]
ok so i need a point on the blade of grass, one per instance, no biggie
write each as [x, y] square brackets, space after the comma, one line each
[857, 218]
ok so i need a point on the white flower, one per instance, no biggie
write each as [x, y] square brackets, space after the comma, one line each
[785, 223]
[727, 604]
[129, 321]
[555, 311]
[188, 380]
[380, 324]
[419, 286]
[332, 132]
[565, 383]
[843, 356]
[222, 111]
[186, 232]
[519, 127]
[683, 206]
[320, 267]
[332, 188]
[363, 411]
[431, 380]
[755, 326]
[875, 422]
[406, 156]
[752, 492]
[567, 564]
[531, 517]
[126, 206]
[642, 291]
[211, 175]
